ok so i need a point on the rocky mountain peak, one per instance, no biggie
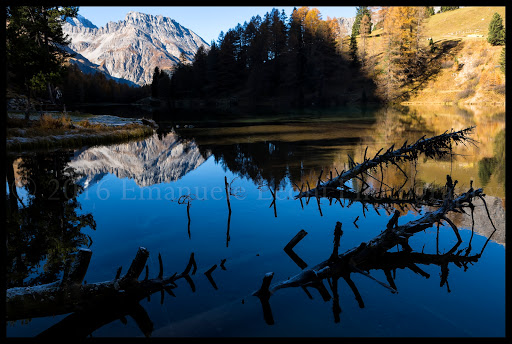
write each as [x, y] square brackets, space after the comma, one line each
[347, 24]
[80, 21]
[131, 48]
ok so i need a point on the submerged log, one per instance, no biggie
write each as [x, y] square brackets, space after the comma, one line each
[359, 257]
[374, 255]
[70, 295]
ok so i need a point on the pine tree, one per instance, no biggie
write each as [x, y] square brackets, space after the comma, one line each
[34, 45]
[496, 35]
[200, 68]
[402, 50]
[448, 8]
[353, 49]
[430, 11]
[360, 12]
[277, 34]
[364, 31]
[154, 83]
[338, 32]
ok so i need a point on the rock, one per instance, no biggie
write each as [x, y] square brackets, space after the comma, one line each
[149, 122]
[131, 48]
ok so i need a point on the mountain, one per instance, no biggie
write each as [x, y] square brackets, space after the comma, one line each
[131, 48]
[80, 20]
[151, 161]
[347, 23]
[88, 67]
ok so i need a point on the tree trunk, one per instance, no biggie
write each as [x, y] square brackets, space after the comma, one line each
[435, 146]
[364, 255]
[50, 92]
[70, 295]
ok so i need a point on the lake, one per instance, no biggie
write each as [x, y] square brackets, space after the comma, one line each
[114, 199]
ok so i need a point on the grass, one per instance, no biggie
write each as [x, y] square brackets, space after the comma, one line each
[471, 20]
[47, 121]
[49, 132]
[478, 81]
[466, 30]
[478, 74]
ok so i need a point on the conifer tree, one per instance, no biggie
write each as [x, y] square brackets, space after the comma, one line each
[448, 8]
[402, 50]
[360, 12]
[364, 31]
[353, 49]
[277, 34]
[34, 45]
[154, 83]
[496, 35]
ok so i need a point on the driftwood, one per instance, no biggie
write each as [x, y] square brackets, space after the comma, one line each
[262, 187]
[289, 249]
[388, 200]
[187, 199]
[436, 146]
[71, 295]
[230, 191]
[374, 255]
[228, 188]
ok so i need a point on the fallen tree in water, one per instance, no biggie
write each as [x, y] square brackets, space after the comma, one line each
[435, 147]
[71, 295]
[374, 253]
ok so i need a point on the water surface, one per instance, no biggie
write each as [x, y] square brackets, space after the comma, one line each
[114, 199]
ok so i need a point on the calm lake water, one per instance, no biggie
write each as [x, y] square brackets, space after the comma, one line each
[130, 193]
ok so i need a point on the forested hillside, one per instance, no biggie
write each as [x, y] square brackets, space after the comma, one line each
[274, 60]
[393, 55]
[397, 54]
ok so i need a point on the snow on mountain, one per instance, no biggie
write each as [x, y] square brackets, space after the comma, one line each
[131, 48]
[80, 20]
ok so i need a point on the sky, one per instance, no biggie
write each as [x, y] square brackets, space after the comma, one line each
[206, 21]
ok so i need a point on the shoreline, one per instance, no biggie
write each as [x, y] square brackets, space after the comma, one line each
[453, 103]
[106, 130]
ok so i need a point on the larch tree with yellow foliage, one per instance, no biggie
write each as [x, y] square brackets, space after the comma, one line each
[403, 52]
[364, 31]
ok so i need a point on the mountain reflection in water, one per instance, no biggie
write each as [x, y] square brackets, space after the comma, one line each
[157, 159]
[265, 158]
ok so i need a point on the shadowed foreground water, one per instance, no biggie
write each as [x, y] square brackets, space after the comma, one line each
[115, 199]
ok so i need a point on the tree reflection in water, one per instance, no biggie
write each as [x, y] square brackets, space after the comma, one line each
[45, 226]
[494, 165]
[270, 163]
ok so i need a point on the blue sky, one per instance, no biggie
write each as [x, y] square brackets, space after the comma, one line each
[206, 21]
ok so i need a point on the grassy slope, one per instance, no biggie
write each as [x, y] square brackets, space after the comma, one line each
[462, 22]
[478, 81]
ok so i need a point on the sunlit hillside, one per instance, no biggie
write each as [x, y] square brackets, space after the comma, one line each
[462, 23]
[468, 69]
[467, 163]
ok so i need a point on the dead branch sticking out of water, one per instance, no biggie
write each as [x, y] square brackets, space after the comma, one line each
[373, 254]
[289, 248]
[96, 304]
[434, 147]
[273, 192]
[186, 199]
[230, 191]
